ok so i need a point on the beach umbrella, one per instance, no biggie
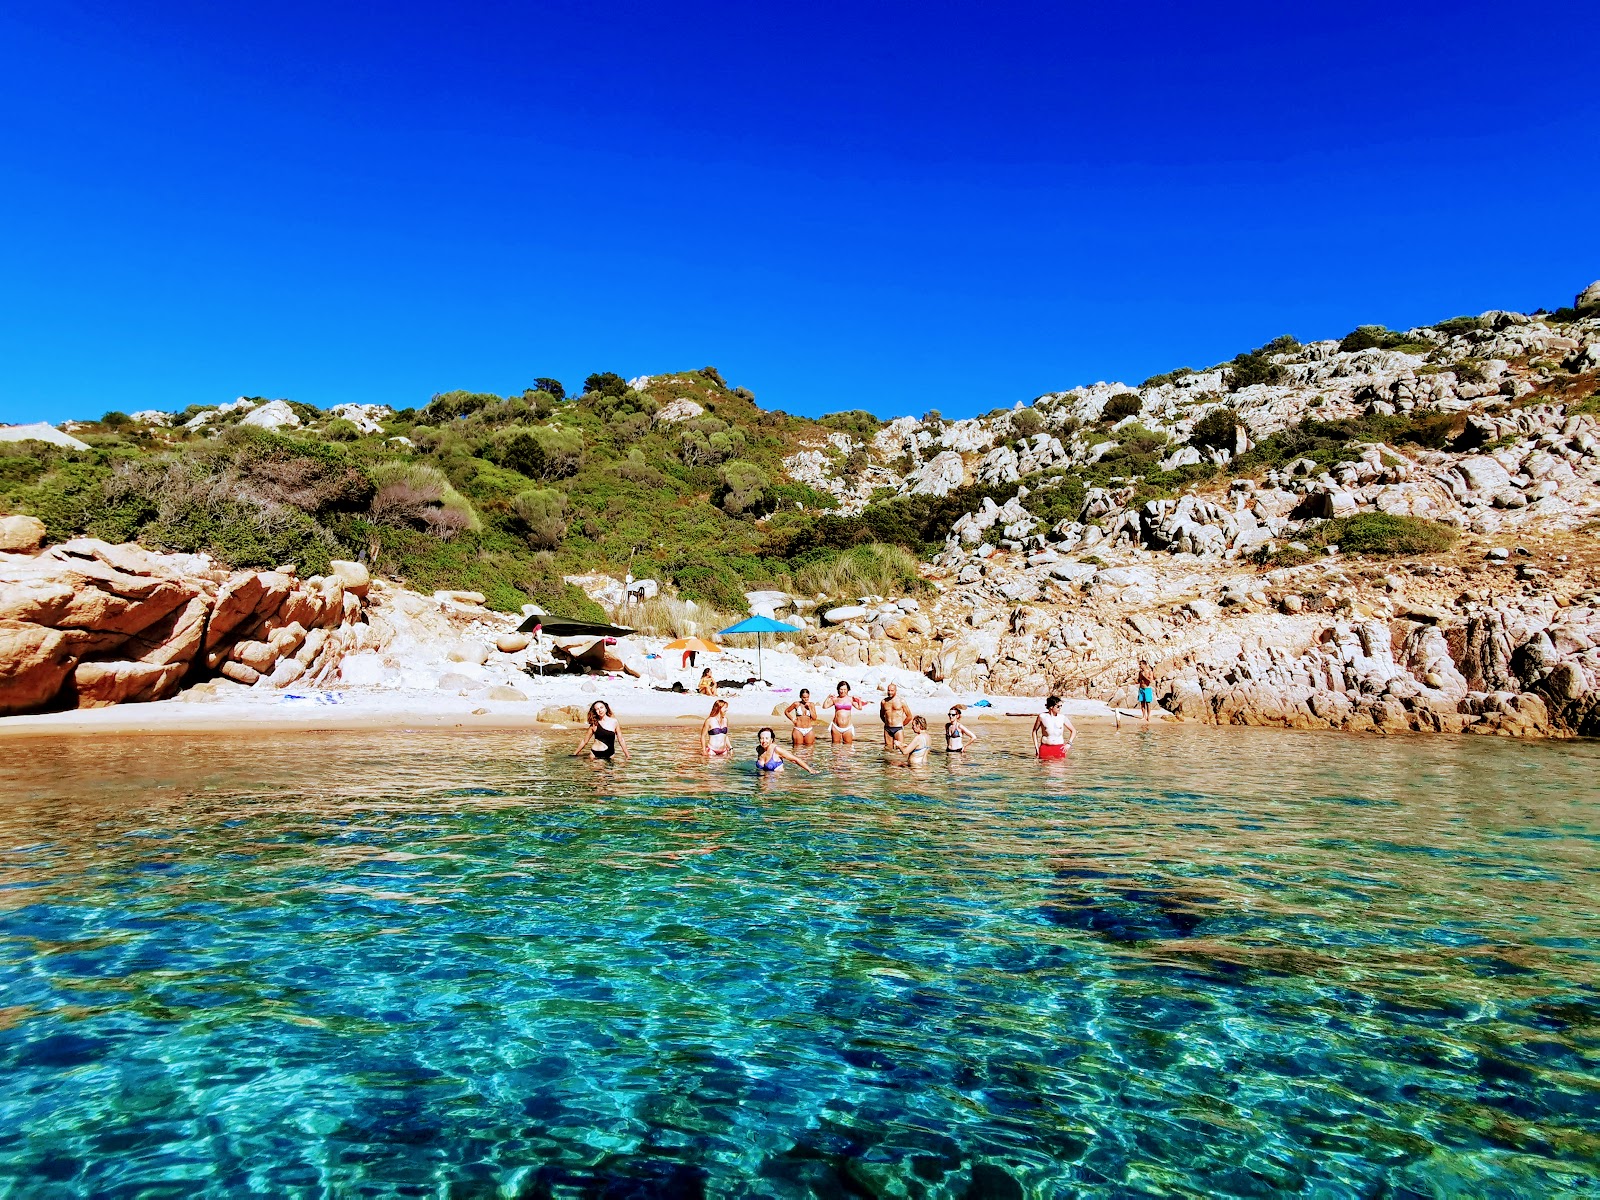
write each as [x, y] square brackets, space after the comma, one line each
[758, 626]
[698, 645]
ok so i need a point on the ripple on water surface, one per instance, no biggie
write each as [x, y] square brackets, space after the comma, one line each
[1193, 962]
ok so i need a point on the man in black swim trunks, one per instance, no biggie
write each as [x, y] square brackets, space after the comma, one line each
[895, 714]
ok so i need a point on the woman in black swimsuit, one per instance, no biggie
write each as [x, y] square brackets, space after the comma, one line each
[604, 732]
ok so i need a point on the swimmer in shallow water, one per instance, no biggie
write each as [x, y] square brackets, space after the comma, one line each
[714, 731]
[843, 704]
[770, 757]
[916, 750]
[957, 735]
[604, 732]
[1053, 731]
[802, 715]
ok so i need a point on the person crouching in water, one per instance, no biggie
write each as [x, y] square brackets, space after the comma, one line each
[771, 757]
[916, 750]
[1053, 731]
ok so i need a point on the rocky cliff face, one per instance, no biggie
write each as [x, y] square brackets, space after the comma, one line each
[86, 624]
[1227, 585]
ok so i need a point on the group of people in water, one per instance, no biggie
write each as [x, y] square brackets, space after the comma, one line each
[904, 733]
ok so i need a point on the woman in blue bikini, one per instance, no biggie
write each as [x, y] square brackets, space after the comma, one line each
[770, 757]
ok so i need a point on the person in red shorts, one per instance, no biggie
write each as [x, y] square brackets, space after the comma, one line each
[1053, 732]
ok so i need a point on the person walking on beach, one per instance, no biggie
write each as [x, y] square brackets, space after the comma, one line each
[957, 735]
[1053, 731]
[916, 750]
[714, 731]
[770, 757]
[802, 714]
[894, 713]
[604, 732]
[843, 704]
[1147, 688]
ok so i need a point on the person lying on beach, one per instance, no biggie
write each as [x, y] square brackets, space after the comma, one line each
[802, 714]
[1053, 731]
[957, 735]
[604, 732]
[770, 757]
[714, 730]
[915, 750]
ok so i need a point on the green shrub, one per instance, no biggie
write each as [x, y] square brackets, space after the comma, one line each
[1255, 367]
[1123, 404]
[545, 452]
[542, 515]
[1456, 325]
[743, 488]
[605, 383]
[1376, 337]
[1217, 430]
[306, 474]
[1025, 422]
[451, 406]
[341, 430]
[1386, 535]
[856, 421]
[417, 496]
[1167, 377]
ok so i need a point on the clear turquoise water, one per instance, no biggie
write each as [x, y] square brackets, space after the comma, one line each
[1190, 963]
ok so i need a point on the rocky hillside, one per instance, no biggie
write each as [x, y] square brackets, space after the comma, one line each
[1393, 530]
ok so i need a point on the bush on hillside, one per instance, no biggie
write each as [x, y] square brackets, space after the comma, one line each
[545, 452]
[1123, 404]
[1217, 430]
[605, 383]
[1386, 535]
[743, 488]
[857, 422]
[1253, 368]
[341, 430]
[541, 513]
[451, 406]
[1167, 377]
[417, 496]
[551, 387]
[1376, 337]
[1025, 422]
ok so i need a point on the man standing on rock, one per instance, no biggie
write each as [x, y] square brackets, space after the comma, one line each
[895, 714]
[1147, 689]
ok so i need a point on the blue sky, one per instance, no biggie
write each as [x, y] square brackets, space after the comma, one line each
[891, 206]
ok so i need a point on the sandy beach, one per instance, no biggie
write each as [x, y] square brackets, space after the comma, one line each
[246, 709]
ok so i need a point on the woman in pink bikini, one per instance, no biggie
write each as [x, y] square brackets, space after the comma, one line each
[843, 704]
[714, 731]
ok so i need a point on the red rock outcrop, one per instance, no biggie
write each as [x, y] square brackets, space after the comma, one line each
[87, 624]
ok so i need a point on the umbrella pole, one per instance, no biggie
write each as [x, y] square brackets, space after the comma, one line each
[761, 671]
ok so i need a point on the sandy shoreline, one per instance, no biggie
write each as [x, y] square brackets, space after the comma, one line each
[393, 710]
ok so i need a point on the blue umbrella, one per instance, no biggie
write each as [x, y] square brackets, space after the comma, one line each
[758, 626]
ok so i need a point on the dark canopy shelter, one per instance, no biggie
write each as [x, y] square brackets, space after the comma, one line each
[557, 627]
